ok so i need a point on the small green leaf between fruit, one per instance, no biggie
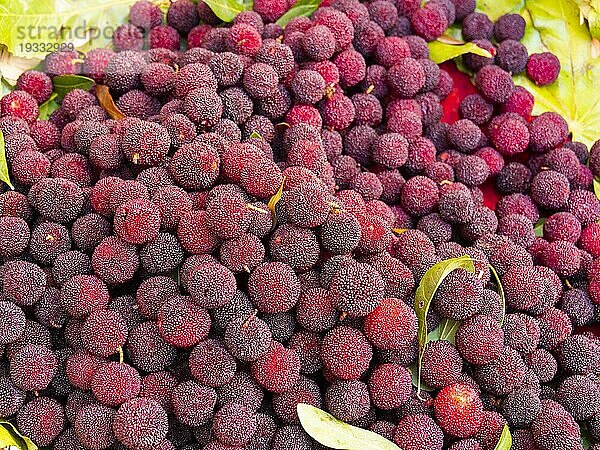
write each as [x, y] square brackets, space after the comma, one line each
[226, 10]
[445, 51]
[48, 107]
[505, 442]
[586, 438]
[448, 330]
[300, 8]
[274, 200]
[539, 227]
[428, 286]
[5, 87]
[597, 187]
[333, 433]
[500, 292]
[64, 84]
[255, 135]
[414, 375]
[4, 176]
[10, 436]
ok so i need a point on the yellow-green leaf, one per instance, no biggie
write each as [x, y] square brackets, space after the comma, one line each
[4, 176]
[505, 442]
[5, 87]
[428, 286]
[49, 106]
[46, 25]
[590, 9]
[539, 227]
[444, 51]
[226, 10]
[255, 135]
[497, 8]
[300, 8]
[500, 292]
[10, 436]
[333, 433]
[7, 439]
[274, 200]
[64, 84]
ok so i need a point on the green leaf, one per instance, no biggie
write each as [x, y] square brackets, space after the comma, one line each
[333, 433]
[505, 441]
[10, 436]
[500, 292]
[539, 227]
[497, 8]
[7, 439]
[64, 84]
[46, 25]
[597, 187]
[428, 286]
[272, 205]
[586, 438]
[226, 10]
[255, 135]
[414, 375]
[590, 9]
[300, 8]
[5, 87]
[448, 330]
[49, 106]
[556, 27]
[4, 176]
[442, 51]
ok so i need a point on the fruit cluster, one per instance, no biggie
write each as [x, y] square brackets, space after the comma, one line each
[250, 237]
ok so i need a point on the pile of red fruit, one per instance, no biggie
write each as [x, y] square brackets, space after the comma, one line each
[251, 234]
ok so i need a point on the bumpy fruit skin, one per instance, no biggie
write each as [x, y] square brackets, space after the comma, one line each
[389, 386]
[114, 383]
[543, 68]
[41, 420]
[590, 239]
[193, 404]
[211, 364]
[20, 104]
[346, 353]
[357, 289]
[33, 367]
[140, 423]
[104, 332]
[347, 400]
[554, 428]
[477, 331]
[458, 410]
[441, 364]
[391, 325]
[37, 84]
[93, 426]
[274, 287]
[494, 83]
[278, 369]
[416, 430]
